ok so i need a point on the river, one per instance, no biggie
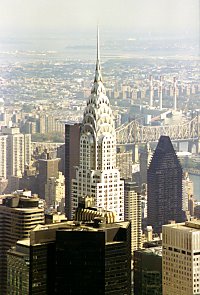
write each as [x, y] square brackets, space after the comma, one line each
[196, 181]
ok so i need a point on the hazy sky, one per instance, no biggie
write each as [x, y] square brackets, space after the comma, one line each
[152, 16]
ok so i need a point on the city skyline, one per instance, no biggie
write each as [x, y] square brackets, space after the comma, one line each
[84, 146]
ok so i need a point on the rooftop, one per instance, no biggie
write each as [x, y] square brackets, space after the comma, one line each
[153, 250]
[190, 226]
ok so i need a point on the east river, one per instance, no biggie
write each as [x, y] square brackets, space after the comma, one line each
[196, 181]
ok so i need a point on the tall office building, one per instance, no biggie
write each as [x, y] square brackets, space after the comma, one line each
[132, 212]
[94, 261]
[19, 214]
[3, 159]
[181, 257]
[164, 186]
[72, 151]
[97, 175]
[17, 153]
[47, 168]
[65, 258]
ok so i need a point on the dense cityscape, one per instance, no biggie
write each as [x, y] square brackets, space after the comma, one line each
[100, 164]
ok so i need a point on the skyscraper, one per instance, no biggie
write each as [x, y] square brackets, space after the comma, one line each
[94, 261]
[3, 162]
[17, 153]
[97, 175]
[72, 146]
[65, 258]
[132, 212]
[181, 258]
[164, 186]
[47, 168]
[18, 216]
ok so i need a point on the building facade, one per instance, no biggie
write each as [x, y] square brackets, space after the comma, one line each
[55, 192]
[96, 174]
[3, 158]
[132, 212]
[66, 258]
[47, 168]
[164, 186]
[18, 216]
[15, 151]
[72, 152]
[124, 163]
[181, 256]
[148, 271]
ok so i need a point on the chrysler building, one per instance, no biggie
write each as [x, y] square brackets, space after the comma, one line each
[97, 175]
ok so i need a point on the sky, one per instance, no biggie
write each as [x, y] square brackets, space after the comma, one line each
[164, 17]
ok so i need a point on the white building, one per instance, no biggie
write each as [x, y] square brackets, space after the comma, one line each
[15, 151]
[181, 258]
[132, 212]
[97, 175]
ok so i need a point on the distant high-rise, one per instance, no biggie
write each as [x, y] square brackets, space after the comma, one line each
[72, 153]
[164, 186]
[181, 258]
[2, 113]
[3, 160]
[18, 216]
[15, 151]
[174, 94]
[151, 91]
[97, 175]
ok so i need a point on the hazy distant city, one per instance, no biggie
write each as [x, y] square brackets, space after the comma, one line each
[33, 80]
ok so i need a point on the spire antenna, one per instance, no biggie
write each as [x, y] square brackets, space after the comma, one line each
[98, 76]
[98, 49]
[98, 86]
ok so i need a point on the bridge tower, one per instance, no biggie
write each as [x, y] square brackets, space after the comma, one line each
[151, 91]
[198, 134]
[160, 93]
[175, 94]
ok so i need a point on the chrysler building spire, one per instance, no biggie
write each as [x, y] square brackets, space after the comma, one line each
[98, 81]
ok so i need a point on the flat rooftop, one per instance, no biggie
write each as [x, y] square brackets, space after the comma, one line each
[190, 226]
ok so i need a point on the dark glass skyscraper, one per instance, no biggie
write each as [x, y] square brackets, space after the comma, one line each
[72, 142]
[164, 186]
[69, 258]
